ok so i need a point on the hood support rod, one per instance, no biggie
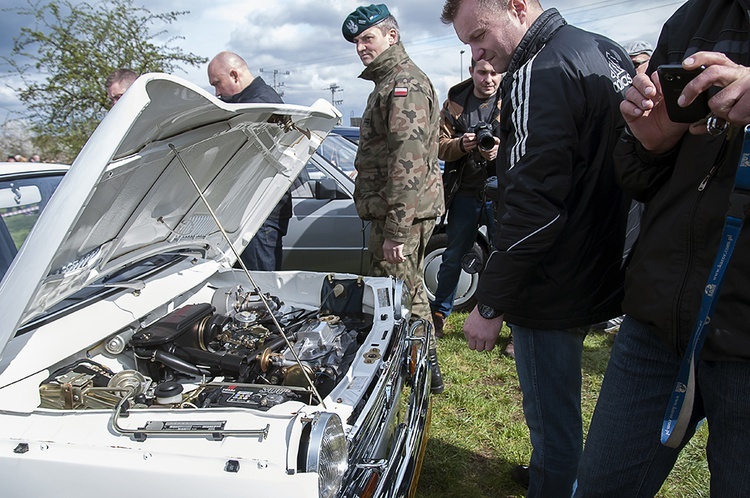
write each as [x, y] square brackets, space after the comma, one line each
[250, 278]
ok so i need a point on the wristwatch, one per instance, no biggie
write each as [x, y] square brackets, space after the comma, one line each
[488, 312]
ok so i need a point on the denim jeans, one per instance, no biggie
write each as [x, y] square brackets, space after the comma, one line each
[623, 455]
[465, 216]
[549, 371]
[264, 251]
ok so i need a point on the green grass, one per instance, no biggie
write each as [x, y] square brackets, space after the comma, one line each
[478, 433]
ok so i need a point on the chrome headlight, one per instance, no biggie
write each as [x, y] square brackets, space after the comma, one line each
[326, 453]
[401, 300]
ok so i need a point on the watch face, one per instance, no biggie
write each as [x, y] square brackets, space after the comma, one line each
[487, 312]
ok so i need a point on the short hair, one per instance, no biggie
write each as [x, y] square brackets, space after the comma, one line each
[638, 47]
[451, 7]
[119, 75]
[388, 24]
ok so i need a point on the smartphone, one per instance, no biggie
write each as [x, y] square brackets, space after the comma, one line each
[673, 78]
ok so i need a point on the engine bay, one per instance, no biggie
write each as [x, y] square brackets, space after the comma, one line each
[243, 349]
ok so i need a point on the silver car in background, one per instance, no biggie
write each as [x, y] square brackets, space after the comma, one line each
[326, 234]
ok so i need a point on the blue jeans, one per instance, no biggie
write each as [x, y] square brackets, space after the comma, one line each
[623, 455]
[264, 250]
[466, 214]
[549, 371]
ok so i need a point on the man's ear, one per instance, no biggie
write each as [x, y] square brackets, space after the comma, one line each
[392, 37]
[234, 75]
[519, 9]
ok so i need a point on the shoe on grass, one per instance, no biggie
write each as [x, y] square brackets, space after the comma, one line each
[438, 319]
[436, 378]
[613, 325]
[520, 474]
[510, 350]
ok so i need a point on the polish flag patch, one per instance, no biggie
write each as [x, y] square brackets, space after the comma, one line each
[400, 91]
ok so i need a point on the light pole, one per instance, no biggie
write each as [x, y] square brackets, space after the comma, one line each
[461, 69]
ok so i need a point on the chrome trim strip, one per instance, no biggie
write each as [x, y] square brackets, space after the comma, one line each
[399, 468]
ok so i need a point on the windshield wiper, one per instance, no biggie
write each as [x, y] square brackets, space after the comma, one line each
[136, 285]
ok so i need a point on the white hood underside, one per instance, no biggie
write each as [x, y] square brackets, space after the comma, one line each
[128, 196]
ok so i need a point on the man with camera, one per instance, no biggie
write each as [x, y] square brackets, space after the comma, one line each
[468, 146]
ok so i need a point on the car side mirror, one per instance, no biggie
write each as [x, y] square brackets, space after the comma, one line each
[326, 188]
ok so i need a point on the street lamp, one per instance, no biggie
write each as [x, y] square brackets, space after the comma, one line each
[461, 69]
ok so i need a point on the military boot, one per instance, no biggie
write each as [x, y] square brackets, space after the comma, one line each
[437, 377]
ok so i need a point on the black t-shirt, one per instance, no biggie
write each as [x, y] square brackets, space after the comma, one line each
[476, 169]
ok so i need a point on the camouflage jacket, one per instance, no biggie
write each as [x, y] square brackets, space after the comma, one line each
[398, 178]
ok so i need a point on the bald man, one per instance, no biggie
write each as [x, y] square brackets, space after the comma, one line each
[229, 75]
[233, 82]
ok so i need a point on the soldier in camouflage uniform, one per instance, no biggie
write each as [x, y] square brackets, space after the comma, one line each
[398, 185]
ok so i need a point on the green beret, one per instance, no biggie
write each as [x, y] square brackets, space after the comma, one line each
[363, 18]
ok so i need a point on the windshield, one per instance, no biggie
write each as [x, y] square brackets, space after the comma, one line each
[340, 152]
[22, 200]
[109, 285]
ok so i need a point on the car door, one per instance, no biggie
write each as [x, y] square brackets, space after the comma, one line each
[325, 232]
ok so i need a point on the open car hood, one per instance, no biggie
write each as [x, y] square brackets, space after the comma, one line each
[127, 196]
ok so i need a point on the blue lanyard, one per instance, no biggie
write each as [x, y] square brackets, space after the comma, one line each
[680, 406]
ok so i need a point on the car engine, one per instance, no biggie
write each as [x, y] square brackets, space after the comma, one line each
[242, 349]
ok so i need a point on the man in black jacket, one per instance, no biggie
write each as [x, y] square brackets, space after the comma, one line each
[685, 176]
[229, 75]
[557, 263]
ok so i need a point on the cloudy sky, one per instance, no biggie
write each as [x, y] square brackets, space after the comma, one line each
[303, 38]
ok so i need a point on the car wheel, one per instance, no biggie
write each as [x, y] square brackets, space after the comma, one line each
[467, 283]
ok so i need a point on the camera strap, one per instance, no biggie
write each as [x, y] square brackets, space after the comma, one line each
[680, 406]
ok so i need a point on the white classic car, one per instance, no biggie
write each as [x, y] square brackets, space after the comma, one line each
[136, 360]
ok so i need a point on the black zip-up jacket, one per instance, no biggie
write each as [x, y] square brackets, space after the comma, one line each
[687, 203]
[561, 220]
[257, 91]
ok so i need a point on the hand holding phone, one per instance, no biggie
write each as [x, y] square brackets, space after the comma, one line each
[673, 78]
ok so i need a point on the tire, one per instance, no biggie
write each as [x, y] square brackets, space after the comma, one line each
[467, 283]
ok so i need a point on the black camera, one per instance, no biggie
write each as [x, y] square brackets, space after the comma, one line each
[486, 139]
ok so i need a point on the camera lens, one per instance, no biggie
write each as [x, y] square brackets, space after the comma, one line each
[484, 135]
[486, 140]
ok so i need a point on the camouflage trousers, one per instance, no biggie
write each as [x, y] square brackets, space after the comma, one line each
[410, 271]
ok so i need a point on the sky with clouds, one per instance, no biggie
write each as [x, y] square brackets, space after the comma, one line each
[303, 38]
